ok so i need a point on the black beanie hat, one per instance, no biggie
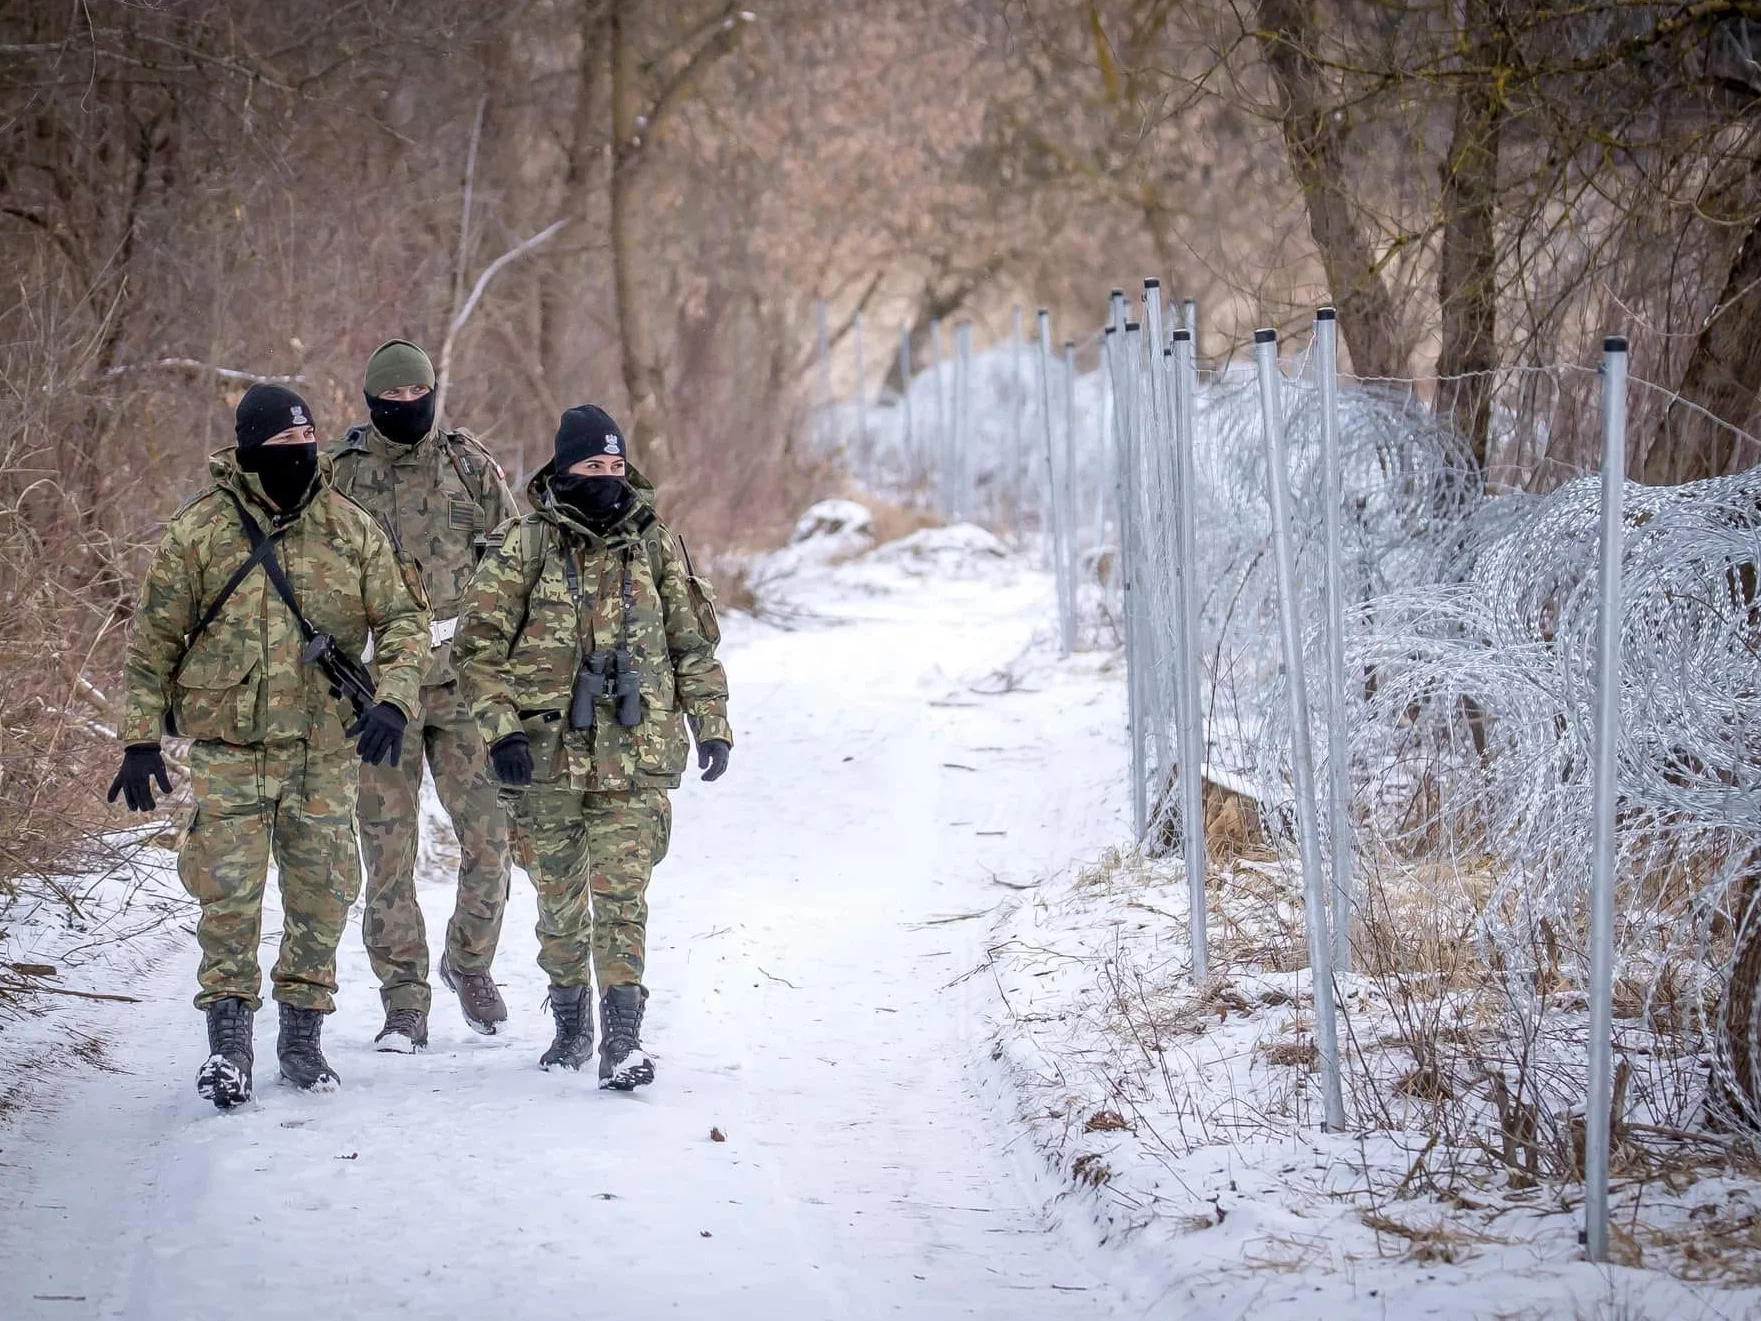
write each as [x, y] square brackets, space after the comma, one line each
[268, 410]
[586, 432]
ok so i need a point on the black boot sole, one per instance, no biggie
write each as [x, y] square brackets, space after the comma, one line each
[628, 1079]
[221, 1081]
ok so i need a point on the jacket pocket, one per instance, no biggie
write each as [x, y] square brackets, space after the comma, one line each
[661, 742]
[216, 698]
[703, 606]
[544, 730]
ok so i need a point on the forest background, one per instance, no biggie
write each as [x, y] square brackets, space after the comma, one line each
[640, 203]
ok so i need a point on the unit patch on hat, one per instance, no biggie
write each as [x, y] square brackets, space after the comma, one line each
[299, 417]
[611, 443]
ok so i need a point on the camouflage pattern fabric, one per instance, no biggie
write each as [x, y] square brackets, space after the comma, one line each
[242, 681]
[392, 926]
[523, 630]
[438, 499]
[590, 857]
[295, 801]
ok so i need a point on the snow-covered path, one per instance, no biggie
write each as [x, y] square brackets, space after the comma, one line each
[808, 1001]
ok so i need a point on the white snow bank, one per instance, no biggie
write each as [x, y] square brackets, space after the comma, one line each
[963, 550]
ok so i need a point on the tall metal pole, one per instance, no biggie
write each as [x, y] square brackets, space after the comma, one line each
[964, 413]
[907, 441]
[1017, 479]
[1155, 427]
[1338, 753]
[822, 350]
[1186, 594]
[1130, 368]
[939, 446]
[1189, 319]
[1608, 627]
[1071, 549]
[1052, 505]
[1265, 352]
[862, 449]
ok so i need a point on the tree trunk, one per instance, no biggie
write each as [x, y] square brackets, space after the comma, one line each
[1314, 139]
[561, 296]
[1467, 277]
[1721, 377]
[641, 366]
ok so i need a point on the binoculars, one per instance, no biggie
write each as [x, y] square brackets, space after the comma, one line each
[611, 675]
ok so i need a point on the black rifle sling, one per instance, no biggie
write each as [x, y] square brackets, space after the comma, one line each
[272, 566]
[260, 551]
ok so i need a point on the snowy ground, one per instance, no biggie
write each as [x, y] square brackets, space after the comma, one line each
[887, 970]
[810, 932]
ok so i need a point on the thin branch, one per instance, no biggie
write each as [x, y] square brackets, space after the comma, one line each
[193, 365]
[464, 313]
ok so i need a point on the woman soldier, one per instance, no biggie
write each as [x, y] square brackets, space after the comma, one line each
[585, 644]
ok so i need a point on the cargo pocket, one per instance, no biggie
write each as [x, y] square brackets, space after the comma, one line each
[216, 698]
[544, 730]
[661, 743]
[703, 606]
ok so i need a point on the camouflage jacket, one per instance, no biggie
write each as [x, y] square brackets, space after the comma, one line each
[529, 621]
[438, 499]
[242, 680]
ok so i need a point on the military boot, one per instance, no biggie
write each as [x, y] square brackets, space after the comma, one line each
[302, 1062]
[478, 997]
[573, 1042]
[623, 1064]
[225, 1076]
[405, 1032]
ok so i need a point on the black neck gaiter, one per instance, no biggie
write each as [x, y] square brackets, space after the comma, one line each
[600, 501]
[286, 471]
[404, 421]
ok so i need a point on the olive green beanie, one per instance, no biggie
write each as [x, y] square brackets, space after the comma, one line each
[396, 363]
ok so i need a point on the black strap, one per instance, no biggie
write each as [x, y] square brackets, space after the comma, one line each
[261, 550]
[271, 565]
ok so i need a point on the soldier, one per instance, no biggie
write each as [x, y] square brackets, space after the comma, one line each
[227, 611]
[586, 643]
[438, 493]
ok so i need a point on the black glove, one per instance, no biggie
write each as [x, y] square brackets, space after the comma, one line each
[712, 757]
[511, 757]
[141, 765]
[378, 733]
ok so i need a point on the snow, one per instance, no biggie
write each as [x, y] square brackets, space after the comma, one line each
[811, 935]
[887, 956]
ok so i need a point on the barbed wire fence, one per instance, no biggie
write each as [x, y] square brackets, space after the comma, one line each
[1393, 656]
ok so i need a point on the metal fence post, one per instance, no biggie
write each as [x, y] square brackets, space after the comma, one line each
[1017, 470]
[1598, 1118]
[1071, 480]
[822, 350]
[1265, 352]
[1186, 594]
[1189, 318]
[863, 452]
[907, 441]
[1051, 506]
[965, 505]
[1130, 394]
[1161, 659]
[939, 444]
[1338, 764]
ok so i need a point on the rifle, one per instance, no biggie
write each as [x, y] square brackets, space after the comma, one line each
[347, 676]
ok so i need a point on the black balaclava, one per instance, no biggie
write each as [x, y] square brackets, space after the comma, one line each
[285, 471]
[405, 421]
[586, 432]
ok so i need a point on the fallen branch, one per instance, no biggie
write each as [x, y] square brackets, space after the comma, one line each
[63, 990]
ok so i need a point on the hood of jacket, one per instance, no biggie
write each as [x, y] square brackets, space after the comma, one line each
[628, 527]
[223, 468]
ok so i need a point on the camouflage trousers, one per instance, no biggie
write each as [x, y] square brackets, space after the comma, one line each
[590, 856]
[390, 815]
[294, 802]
